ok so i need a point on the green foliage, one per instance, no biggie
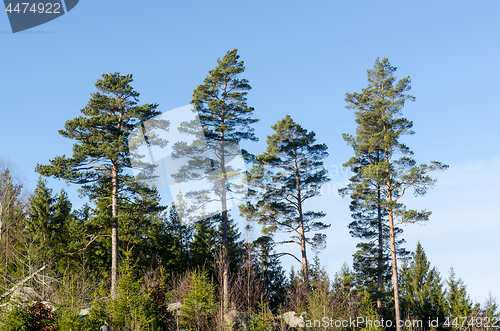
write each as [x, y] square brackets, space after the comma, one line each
[383, 165]
[263, 319]
[422, 289]
[222, 99]
[225, 117]
[344, 287]
[13, 239]
[457, 298]
[199, 307]
[380, 128]
[133, 308]
[101, 156]
[271, 273]
[290, 172]
[207, 241]
[48, 224]
[491, 307]
[17, 319]
[319, 298]
[177, 235]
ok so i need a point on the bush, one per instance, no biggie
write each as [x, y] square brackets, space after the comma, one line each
[17, 319]
[263, 319]
[133, 309]
[199, 307]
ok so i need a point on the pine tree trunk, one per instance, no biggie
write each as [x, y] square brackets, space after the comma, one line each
[394, 270]
[114, 233]
[380, 257]
[393, 245]
[305, 267]
[225, 261]
[380, 261]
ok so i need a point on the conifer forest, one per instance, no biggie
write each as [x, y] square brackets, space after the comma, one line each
[245, 239]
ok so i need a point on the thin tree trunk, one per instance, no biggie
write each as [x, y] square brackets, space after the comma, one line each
[225, 258]
[305, 267]
[394, 269]
[380, 260]
[114, 234]
[380, 256]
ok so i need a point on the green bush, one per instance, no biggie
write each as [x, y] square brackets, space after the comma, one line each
[199, 307]
[17, 319]
[262, 320]
[133, 309]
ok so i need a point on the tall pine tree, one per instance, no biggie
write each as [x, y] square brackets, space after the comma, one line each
[380, 128]
[225, 117]
[101, 152]
[372, 259]
[289, 173]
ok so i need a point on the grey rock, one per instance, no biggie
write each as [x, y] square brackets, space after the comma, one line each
[293, 319]
[24, 295]
[236, 320]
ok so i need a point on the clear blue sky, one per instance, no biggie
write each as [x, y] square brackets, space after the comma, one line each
[301, 58]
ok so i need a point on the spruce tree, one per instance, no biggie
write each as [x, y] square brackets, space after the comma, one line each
[422, 289]
[273, 276]
[491, 308]
[174, 250]
[225, 117]
[289, 173]
[207, 242]
[101, 151]
[457, 299]
[380, 127]
[48, 224]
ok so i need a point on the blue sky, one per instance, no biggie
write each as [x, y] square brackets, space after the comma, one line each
[301, 58]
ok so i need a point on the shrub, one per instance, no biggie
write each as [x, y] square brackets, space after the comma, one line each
[199, 307]
[17, 319]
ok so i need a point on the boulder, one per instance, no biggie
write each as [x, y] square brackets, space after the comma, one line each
[237, 320]
[293, 319]
[174, 306]
[24, 295]
[84, 312]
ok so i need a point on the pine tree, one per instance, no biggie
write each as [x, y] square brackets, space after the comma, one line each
[225, 117]
[386, 180]
[101, 151]
[371, 262]
[285, 176]
[421, 289]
